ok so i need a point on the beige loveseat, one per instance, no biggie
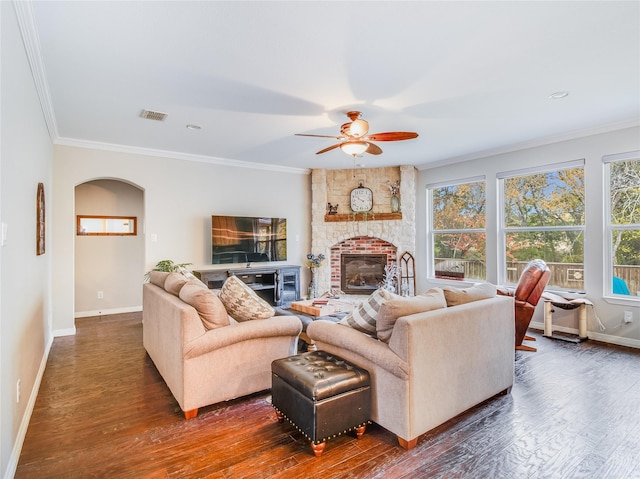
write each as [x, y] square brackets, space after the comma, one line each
[203, 362]
[435, 365]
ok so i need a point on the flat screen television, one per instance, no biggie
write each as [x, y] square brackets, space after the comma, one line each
[244, 239]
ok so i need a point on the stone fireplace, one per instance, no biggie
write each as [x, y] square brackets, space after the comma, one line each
[365, 242]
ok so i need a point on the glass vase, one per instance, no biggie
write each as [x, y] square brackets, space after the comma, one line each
[313, 285]
[395, 204]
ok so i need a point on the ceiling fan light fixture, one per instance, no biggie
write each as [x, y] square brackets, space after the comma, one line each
[359, 128]
[354, 148]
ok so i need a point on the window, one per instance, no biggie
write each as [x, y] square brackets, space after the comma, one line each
[457, 235]
[543, 217]
[106, 225]
[623, 224]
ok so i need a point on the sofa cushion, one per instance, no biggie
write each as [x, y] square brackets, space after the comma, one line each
[363, 318]
[243, 303]
[175, 282]
[189, 275]
[158, 278]
[456, 296]
[209, 307]
[392, 309]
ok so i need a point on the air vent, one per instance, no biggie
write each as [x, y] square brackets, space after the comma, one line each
[153, 115]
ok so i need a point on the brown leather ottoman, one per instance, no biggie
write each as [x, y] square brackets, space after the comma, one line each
[322, 395]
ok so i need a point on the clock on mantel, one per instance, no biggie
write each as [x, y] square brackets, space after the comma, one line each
[361, 199]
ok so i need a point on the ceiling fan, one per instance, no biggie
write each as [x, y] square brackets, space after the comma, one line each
[354, 139]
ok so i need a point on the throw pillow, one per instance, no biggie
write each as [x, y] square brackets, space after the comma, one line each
[189, 275]
[243, 303]
[158, 278]
[391, 310]
[457, 296]
[363, 318]
[206, 302]
[175, 282]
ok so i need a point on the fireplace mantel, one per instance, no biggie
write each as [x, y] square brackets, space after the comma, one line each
[362, 217]
[398, 229]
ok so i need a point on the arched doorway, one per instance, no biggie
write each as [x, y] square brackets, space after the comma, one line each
[109, 268]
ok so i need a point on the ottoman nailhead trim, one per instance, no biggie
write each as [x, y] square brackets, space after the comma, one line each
[325, 438]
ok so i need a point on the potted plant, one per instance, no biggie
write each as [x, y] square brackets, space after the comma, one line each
[167, 266]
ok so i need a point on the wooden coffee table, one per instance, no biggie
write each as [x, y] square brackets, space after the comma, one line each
[307, 308]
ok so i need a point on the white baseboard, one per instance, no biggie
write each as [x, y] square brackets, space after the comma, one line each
[104, 312]
[12, 465]
[605, 338]
[88, 314]
[64, 332]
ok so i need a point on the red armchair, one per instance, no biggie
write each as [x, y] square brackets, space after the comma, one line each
[530, 286]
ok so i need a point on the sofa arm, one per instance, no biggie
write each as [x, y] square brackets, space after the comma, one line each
[256, 329]
[349, 339]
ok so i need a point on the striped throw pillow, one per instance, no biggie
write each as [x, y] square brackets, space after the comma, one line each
[363, 318]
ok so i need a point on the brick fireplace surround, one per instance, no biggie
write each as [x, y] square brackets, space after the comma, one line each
[332, 239]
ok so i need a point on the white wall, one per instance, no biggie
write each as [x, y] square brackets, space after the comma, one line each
[25, 303]
[592, 149]
[180, 197]
[113, 265]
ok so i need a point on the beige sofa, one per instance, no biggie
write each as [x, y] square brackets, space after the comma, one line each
[436, 364]
[204, 366]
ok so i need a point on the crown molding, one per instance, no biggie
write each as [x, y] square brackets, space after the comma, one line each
[95, 145]
[30, 38]
[31, 41]
[548, 140]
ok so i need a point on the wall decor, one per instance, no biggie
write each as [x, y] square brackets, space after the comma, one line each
[40, 220]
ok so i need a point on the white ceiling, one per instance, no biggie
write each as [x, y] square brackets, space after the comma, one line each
[470, 77]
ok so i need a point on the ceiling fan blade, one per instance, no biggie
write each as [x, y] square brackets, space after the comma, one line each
[391, 136]
[329, 148]
[320, 136]
[373, 149]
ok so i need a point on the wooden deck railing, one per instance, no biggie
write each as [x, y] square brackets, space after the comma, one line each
[563, 275]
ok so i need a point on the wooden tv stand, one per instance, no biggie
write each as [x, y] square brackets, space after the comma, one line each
[278, 285]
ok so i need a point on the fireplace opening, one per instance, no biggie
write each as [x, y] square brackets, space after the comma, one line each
[361, 273]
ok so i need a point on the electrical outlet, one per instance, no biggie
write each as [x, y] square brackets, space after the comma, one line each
[628, 317]
[18, 391]
[100, 294]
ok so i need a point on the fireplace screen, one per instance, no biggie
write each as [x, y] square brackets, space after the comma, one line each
[361, 273]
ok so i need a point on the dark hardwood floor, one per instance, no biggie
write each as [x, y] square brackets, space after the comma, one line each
[103, 411]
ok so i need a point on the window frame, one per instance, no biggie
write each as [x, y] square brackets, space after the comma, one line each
[431, 231]
[106, 223]
[503, 230]
[608, 227]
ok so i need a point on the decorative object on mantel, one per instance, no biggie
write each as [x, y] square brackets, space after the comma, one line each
[313, 263]
[333, 209]
[354, 140]
[394, 188]
[361, 199]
